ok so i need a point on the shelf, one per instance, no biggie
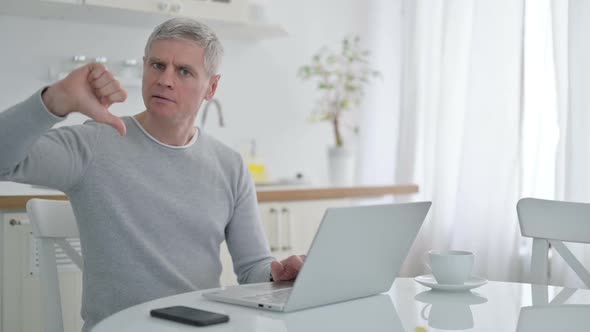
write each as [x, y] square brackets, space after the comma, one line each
[230, 30]
[126, 82]
[247, 31]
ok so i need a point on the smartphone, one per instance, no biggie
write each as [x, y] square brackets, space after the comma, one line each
[190, 316]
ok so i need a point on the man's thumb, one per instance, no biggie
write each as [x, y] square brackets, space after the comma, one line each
[116, 123]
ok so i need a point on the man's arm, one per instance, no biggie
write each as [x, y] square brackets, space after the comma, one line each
[31, 154]
[245, 236]
[248, 245]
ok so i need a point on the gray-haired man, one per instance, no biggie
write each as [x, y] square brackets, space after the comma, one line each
[154, 198]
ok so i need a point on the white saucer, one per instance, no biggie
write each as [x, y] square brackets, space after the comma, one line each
[429, 281]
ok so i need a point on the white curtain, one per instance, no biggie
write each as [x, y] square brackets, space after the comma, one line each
[571, 23]
[540, 124]
[556, 147]
[456, 123]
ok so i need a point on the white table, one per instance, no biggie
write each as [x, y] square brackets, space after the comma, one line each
[408, 306]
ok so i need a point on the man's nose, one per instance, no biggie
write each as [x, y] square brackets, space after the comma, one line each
[167, 78]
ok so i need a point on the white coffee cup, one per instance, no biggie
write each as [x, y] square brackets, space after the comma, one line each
[451, 267]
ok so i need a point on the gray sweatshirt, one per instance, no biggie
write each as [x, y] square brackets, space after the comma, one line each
[151, 216]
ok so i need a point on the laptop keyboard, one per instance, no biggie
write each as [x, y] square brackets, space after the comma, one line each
[278, 296]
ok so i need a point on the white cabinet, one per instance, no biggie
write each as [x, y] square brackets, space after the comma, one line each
[21, 301]
[291, 226]
[230, 19]
[224, 10]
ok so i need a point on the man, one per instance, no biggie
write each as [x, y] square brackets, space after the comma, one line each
[155, 197]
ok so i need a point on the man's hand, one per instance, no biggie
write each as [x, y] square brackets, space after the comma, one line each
[89, 90]
[287, 269]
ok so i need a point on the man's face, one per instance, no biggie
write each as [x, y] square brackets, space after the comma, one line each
[175, 81]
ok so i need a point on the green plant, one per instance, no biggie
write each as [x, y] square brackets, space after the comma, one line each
[341, 78]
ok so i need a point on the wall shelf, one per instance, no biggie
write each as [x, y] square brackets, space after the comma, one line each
[226, 29]
[126, 81]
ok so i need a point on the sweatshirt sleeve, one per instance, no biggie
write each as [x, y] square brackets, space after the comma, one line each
[31, 152]
[245, 236]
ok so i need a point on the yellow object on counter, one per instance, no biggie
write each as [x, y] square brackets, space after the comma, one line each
[255, 165]
[258, 171]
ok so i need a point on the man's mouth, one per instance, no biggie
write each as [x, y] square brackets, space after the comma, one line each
[163, 98]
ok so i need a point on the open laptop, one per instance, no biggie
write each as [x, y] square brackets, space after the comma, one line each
[357, 252]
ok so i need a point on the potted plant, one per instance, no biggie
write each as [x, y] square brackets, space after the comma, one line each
[340, 79]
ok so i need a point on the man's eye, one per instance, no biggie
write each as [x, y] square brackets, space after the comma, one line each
[157, 66]
[185, 72]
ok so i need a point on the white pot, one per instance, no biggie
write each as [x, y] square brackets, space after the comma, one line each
[341, 166]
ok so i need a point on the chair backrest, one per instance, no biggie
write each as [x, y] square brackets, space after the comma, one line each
[52, 222]
[551, 222]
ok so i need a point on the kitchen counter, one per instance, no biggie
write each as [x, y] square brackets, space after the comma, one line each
[265, 194]
[315, 193]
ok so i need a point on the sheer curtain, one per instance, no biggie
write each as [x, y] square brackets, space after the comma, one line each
[555, 146]
[455, 127]
[482, 102]
[571, 23]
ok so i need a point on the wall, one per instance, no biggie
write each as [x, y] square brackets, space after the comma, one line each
[261, 96]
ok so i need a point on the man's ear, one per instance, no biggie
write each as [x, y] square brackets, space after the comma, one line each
[213, 81]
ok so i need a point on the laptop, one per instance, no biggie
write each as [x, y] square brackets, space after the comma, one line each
[356, 252]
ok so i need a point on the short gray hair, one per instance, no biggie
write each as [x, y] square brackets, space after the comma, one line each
[191, 30]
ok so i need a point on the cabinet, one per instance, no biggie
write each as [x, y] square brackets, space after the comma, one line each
[224, 10]
[291, 226]
[230, 19]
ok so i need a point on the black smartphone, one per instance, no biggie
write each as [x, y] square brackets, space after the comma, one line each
[191, 316]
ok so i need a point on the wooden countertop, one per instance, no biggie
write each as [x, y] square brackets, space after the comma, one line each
[264, 195]
[308, 194]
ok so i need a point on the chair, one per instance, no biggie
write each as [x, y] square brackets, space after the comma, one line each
[52, 222]
[551, 222]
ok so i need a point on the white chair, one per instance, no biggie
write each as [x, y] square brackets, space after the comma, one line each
[52, 222]
[548, 221]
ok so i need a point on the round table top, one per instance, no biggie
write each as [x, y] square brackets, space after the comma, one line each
[408, 306]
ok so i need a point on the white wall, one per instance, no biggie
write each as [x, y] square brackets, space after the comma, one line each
[261, 96]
